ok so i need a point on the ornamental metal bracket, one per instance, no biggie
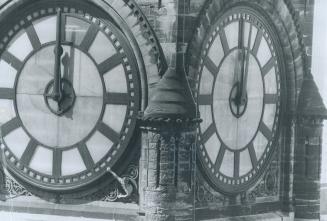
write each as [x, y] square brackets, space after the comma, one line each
[125, 183]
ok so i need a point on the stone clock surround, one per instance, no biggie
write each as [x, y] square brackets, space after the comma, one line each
[283, 15]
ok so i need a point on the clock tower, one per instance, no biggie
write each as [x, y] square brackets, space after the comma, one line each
[159, 110]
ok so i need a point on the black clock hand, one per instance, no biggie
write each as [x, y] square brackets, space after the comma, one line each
[241, 57]
[245, 71]
[57, 89]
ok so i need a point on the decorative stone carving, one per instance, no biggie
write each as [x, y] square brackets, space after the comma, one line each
[267, 188]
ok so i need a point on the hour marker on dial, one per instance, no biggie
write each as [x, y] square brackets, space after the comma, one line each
[89, 38]
[220, 157]
[224, 41]
[57, 163]
[236, 164]
[110, 63]
[270, 98]
[9, 126]
[29, 152]
[211, 66]
[33, 37]
[265, 130]
[268, 66]
[208, 133]
[205, 99]
[108, 132]
[253, 155]
[257, 43]
[117, 98]
[7, 93]
[12, 60]
[86, 156]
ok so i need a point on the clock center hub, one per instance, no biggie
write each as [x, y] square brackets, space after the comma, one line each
[67, 100]
[237, 104]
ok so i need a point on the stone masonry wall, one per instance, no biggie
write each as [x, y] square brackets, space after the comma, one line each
[305, 13]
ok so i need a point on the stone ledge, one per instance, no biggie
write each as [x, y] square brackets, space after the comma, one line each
[97, 209]
[262, 217]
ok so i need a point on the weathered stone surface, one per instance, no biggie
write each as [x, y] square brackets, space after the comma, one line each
[310, 102]
[168, 191]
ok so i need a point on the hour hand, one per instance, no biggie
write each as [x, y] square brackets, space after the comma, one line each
[57, 90]
[245, 72]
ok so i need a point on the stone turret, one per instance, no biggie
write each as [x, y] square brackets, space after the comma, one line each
[307, 155]
[168, 151]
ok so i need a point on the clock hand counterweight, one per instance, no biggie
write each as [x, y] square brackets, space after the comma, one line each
[57, 89]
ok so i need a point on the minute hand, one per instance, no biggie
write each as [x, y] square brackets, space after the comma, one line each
[246, 70]
[57, 91]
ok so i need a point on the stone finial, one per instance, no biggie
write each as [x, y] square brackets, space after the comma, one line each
[172, 99]
[310, 102]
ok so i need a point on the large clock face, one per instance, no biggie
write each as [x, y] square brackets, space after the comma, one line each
[238, 99]
[69, 96]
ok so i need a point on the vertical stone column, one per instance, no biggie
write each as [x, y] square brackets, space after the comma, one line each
[288, 164]
[167, 171]
[307, 153]
[307, 168]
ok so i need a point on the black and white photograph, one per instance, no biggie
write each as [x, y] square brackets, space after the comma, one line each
[163, 110]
